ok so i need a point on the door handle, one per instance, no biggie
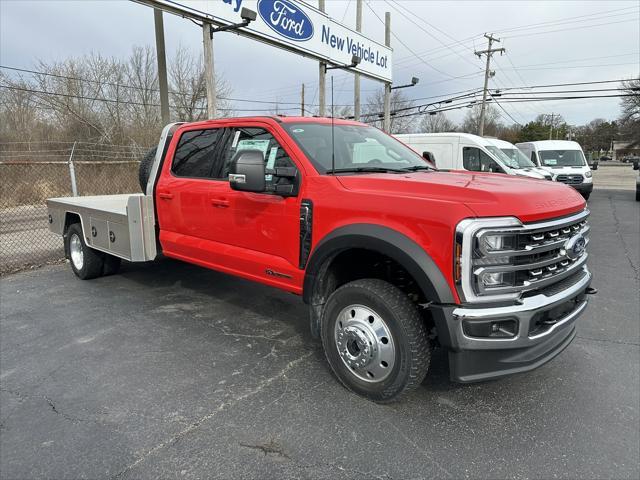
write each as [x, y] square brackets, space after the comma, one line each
[166, 196]
[220, 202]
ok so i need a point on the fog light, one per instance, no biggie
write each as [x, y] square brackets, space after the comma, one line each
[490, 328]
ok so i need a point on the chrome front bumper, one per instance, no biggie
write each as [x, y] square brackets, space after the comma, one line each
[482, 358]
[523, 313]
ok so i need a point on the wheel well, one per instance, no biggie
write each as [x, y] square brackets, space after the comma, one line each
[358, 263]
[69, 219]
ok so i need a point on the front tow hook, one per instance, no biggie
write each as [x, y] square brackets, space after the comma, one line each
[591, 291]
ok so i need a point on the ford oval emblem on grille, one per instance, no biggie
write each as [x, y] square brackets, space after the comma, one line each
[286, 19]
[575, 246]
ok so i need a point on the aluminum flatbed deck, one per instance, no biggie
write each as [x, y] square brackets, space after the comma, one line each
[121, 225]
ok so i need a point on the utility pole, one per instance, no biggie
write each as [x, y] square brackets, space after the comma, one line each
[386, 125]
[162, 66]
[551, 127]
[302, 101]
[356, 78]
[209, 73]
[488, 52]
[322, 72]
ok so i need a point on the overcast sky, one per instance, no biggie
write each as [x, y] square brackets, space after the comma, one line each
[572, 42]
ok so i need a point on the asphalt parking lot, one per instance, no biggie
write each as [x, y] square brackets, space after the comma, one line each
[171, 371]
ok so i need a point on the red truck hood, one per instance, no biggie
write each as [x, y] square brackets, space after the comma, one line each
[486, 194]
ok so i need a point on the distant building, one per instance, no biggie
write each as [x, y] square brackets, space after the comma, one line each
[624, 149]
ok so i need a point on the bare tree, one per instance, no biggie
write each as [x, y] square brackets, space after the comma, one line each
[401, 119]
[188, 88]
[436, 123]
[630, 116]
[104, 99]
[471, 122]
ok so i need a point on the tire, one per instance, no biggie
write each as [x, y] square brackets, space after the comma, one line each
[86, 262]
[370, 311]
[637, 194]
[145, 168]
[111, 265]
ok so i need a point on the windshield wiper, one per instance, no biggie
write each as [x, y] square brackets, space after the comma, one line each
[365, 170]
[417, 168]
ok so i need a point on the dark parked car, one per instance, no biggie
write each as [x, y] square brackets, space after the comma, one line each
[630, 159]
[604, 158]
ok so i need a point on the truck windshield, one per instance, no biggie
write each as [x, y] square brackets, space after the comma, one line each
[356, 149]
[562, 158]
[504, 158]
[518, 157]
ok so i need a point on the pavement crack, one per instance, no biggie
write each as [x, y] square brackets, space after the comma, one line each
[420, 449]
[625, 248]
[223, 406]
[271, 447]
[604, 340]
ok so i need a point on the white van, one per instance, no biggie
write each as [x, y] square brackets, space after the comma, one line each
[463, 151]
[564, 160]
[518, 159]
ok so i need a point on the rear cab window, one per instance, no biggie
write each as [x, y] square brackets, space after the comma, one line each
[197, 153]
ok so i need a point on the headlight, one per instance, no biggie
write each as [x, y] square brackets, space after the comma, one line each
[497, 279]
[497, 242]
[588, 174]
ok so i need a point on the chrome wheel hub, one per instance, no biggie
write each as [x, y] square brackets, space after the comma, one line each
[364, 343]
[75, 249]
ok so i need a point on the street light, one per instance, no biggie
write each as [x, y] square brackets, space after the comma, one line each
[414, 82]
[355, 61]
[247, 15]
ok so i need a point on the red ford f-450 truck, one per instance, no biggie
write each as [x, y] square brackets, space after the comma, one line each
[392, 256]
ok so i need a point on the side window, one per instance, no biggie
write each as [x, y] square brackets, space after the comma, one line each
[476, 160]
[471, 159]
[255, 138]
[196, 153]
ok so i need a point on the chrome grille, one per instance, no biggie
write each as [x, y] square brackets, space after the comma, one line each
[570, 179]
[529, 257]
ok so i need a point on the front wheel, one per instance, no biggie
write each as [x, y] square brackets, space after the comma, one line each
[375, 340]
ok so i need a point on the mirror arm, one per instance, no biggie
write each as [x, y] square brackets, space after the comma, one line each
[285, 172]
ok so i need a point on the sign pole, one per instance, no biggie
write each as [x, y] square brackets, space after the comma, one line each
[322, 72]
[387, 85]
[162, 65]
[356, 78]
[209, 73]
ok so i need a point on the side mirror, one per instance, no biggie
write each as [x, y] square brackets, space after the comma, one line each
[428, 156]
[636, 165]
[247, 171]
[595, 165]
[495, 168]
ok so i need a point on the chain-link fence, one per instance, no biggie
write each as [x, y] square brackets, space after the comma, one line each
[31, 172]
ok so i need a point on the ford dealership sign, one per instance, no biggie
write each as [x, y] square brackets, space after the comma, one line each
[286, 18]
[293, 25]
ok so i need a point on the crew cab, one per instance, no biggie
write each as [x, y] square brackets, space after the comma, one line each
[392, 257]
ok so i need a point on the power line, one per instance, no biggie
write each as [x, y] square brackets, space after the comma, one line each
[410, 49]
[135, 87]
[122, 102]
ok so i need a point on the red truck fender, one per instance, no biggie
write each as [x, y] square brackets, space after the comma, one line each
[319, 281]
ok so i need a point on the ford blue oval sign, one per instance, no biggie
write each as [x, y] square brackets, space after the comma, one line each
[295, 25]
[286, 19]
